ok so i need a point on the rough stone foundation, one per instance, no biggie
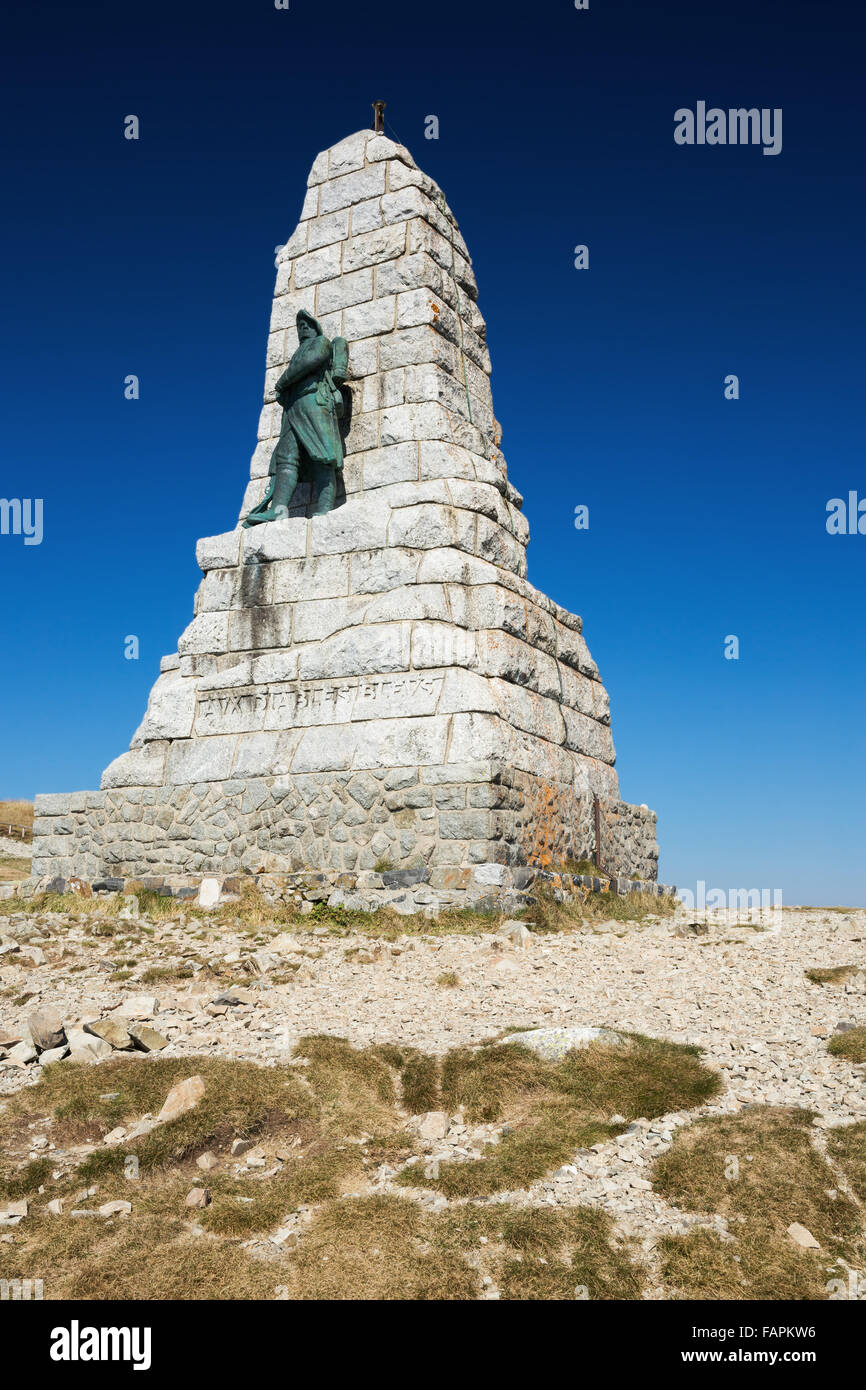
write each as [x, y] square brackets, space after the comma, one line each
[438, 816]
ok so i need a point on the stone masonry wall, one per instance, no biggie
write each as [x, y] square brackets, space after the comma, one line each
[332, 822]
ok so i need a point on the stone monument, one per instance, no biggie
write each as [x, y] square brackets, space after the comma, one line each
[369, 685]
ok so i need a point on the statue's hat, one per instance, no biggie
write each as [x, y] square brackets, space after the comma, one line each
[303, 316]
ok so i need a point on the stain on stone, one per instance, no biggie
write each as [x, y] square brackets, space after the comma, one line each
[253, 582]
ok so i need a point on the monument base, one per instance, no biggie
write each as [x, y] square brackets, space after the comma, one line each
[434, 817]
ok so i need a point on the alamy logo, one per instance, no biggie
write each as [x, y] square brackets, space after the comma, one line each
[77, 1343]
[20, 1290]
[758, 906]
[846, 518]
[740, 126]
[22, 516]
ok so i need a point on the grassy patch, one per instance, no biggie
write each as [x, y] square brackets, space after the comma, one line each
[449, 979]
[156, 973]
[241, 1207]
[380, 1248]
[146, 1257]
[240, 1099]
[847, 1145]
[389, 925]
[564, 1255]
[328, 1120]
[549, 914]
[760, 1171]
[554, 1108]
[833, 975]
[355, 1089]
[850, 1045]
[701, 1265]
[419, 1076]
[24, 1181]
[13, 868]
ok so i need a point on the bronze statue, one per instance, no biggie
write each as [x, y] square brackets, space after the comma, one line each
[309, 392]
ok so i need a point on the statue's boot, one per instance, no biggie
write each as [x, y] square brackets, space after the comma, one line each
[324, 489]
[278, 509]
[272, 513]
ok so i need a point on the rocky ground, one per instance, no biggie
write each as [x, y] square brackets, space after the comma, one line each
[13, 848]
[194, 986]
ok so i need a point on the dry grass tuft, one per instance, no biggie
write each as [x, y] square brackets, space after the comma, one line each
[380, 1248]
[833, 975]
[554, 1108]
[701, 1265]
[847, 1146]
[548, 914]
[241, 1099]
[150, 1256]
[355, 1089]
[449, 979]
[564, 1255]
[850, 1045]
[12, 869]
[760, 1170]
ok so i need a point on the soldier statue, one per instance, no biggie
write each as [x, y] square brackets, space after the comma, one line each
[309, 392]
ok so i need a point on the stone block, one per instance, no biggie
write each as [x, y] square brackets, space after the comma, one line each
[371, 319]
[208, 632]
[370, 650]
[316, 266]
[394, 742]
[252, 629]
[310, 205]
[141, 767]
[420, 420]
[324, 231]
[362, 524]
[324, 577]
[383, 389]
[345, 291]
[348, 154]
[284, 314]
[279, 540]
[352, 188]
[365, 217]
[377, 571]
[408, 346]
[52, 803]
[200, 760]
[170, 709]
[465, 825]
[380, 147]
[218, 552]
[415, 272]
[373, 247]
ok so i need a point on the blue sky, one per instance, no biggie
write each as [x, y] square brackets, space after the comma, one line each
[707, 516]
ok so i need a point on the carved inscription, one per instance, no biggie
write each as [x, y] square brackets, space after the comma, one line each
[295, 704]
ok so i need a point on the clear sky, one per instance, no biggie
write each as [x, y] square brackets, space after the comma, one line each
[556, 128]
